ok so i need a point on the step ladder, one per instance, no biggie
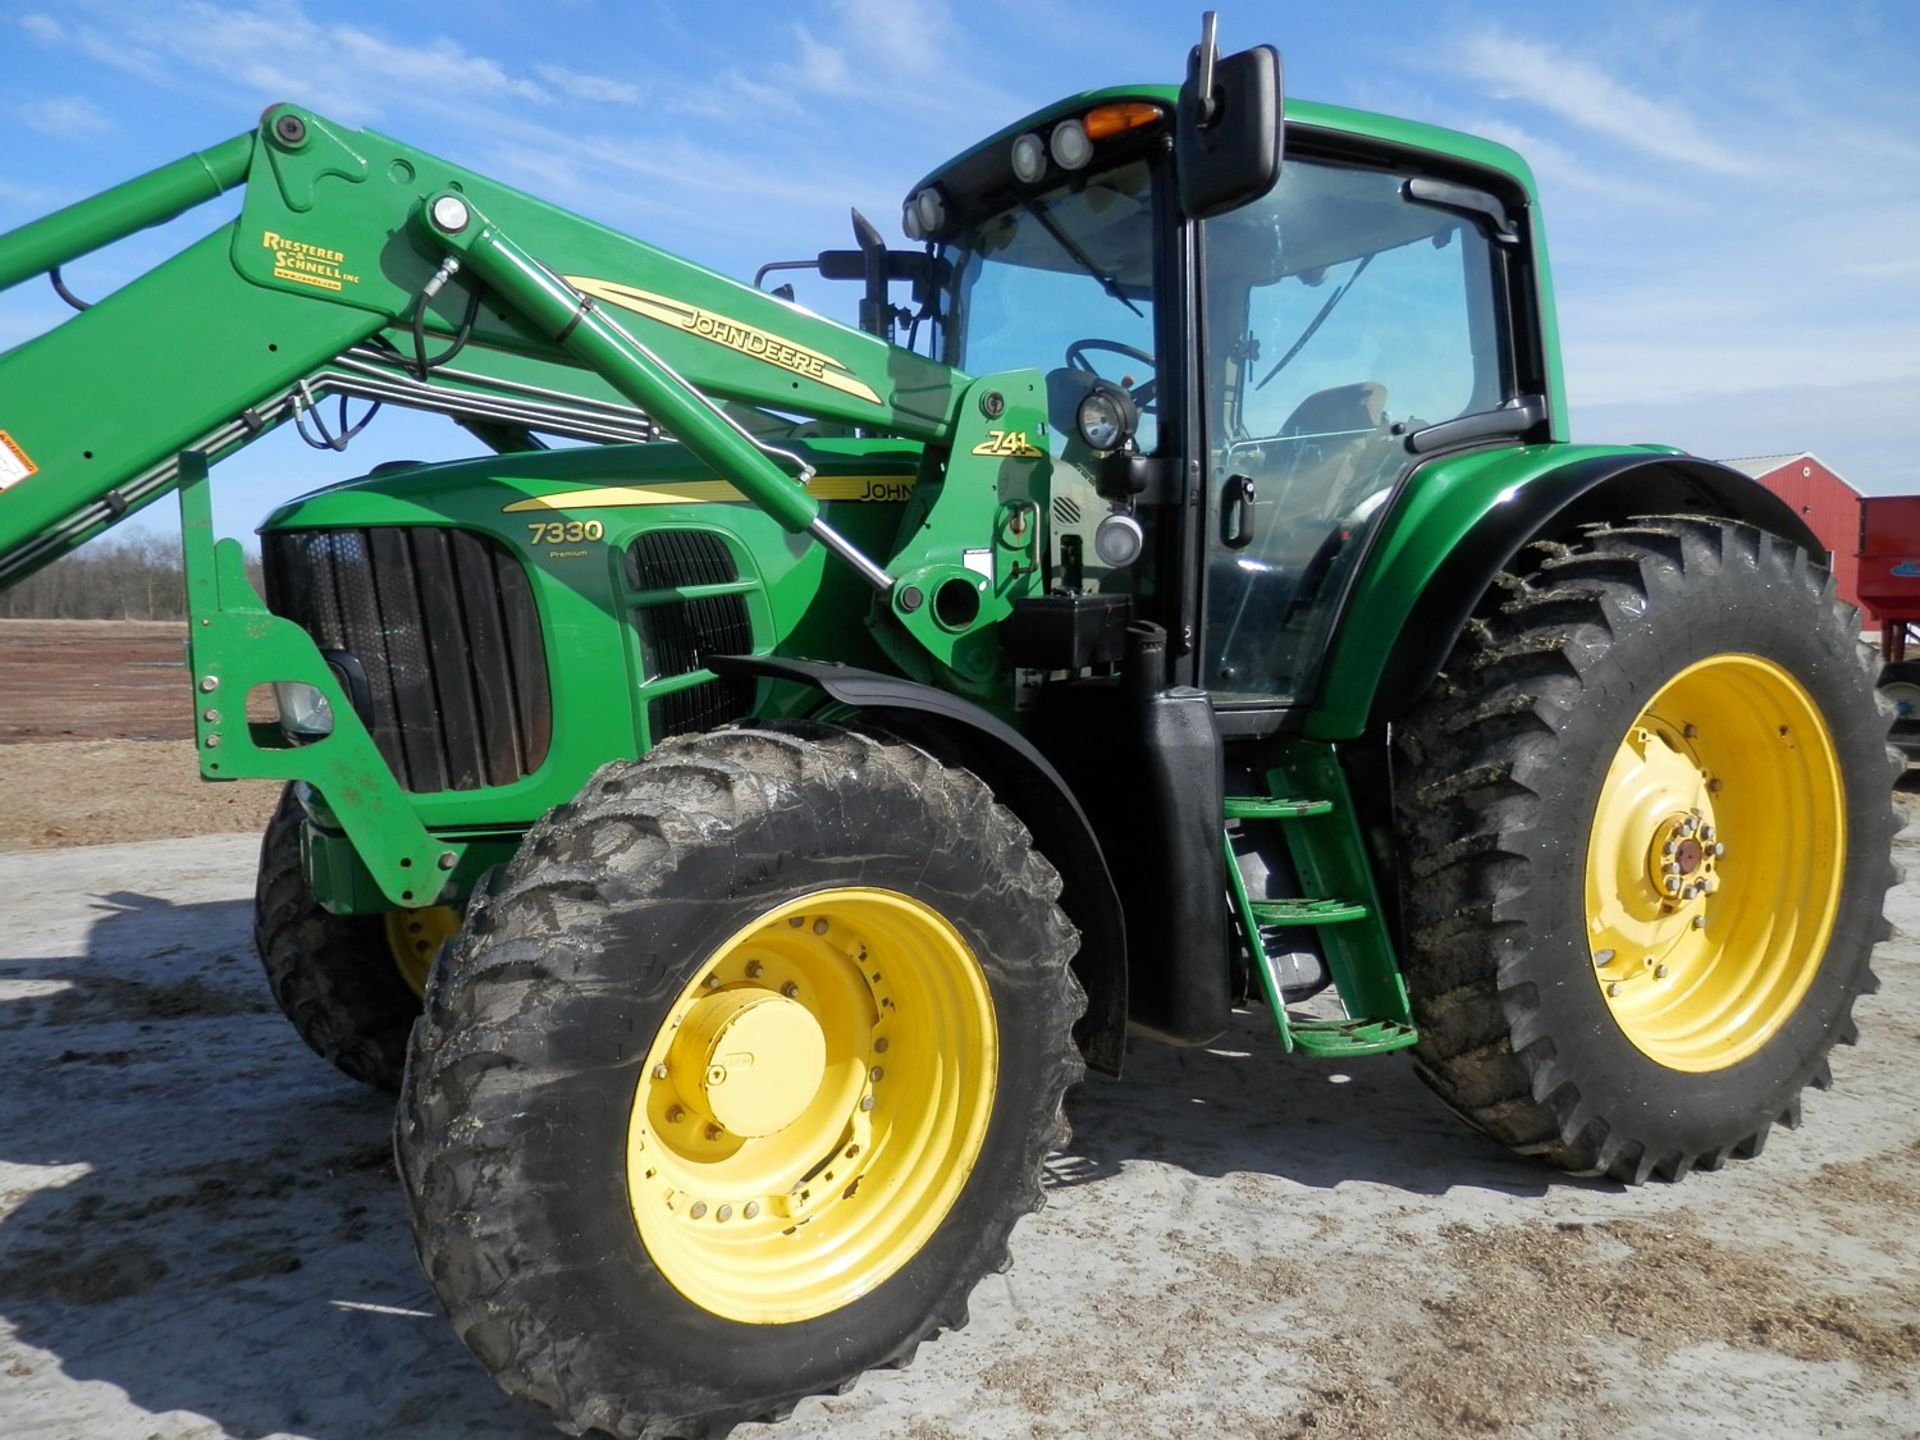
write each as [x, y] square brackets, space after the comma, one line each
[1309, 800]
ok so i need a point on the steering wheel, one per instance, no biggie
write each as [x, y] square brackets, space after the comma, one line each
[1141, 394]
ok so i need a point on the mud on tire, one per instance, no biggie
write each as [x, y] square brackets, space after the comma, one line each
[522, 1075]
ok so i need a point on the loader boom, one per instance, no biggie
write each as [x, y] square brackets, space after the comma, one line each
[315, 289]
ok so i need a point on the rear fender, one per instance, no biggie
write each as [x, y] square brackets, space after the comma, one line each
[957, 732]
[1460, 520]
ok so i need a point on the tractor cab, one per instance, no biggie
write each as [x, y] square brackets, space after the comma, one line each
[1289, 341]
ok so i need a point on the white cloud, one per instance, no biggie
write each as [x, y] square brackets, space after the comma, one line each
[276, 51]
[66, 116]
[579, 86]
[43, 28]
[1579, 91]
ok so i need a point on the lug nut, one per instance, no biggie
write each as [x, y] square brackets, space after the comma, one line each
[660, 1072]
[1706, 832]
[675, 1114]
[1713, 787]
[698, 1209]
[819, 927]
[866, 1102]
[714, 1132]
[1699, 922]
[1603, 957]
[790, 990]
[1719, 849]
[754, 969]
[1688, 731]
[1668, 848]
[1613, 989]
[1659, 972]
[712, 982]
[880, 1046]
[725, 1212]
[796, 921]
[752, 1209]
[877, 1075]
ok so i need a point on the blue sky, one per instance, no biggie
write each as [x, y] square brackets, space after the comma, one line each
[1733, 190]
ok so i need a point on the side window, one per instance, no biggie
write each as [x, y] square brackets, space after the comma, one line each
[1398, 322]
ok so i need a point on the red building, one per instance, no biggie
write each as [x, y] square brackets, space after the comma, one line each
[1829, 505]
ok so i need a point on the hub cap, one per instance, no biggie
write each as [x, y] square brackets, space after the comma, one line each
[1714, 863]
[415, 937]
[812, 1106]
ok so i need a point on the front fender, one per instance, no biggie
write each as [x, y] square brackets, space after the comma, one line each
[1459, 520]
[958, 732]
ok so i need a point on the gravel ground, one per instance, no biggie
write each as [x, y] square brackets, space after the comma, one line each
[202, 1235]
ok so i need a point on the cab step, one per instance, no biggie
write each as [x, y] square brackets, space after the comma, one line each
[1262, 807]
[1306, 912]
[1329, 1039]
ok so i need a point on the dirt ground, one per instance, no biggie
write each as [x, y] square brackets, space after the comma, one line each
[201, 1235]
[96, 739]
[94, 680]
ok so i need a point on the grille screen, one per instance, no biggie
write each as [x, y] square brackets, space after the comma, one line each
[435, 633]
[675, 637]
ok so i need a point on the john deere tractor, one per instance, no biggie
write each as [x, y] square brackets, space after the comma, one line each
[733, 832]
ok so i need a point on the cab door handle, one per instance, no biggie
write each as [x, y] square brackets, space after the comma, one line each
[1236, 512]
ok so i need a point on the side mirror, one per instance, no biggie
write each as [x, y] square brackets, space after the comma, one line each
[1230, 127]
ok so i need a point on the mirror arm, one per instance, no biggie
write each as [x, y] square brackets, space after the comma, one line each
[1207, 54]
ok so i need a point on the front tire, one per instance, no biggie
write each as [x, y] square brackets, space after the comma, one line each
[340, 979]
[1646, 843]
[738, 1079]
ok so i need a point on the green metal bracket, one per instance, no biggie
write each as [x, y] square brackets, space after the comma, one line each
[970, 542]
[234, 645]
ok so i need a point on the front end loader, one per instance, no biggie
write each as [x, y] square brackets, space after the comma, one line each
[734, 831]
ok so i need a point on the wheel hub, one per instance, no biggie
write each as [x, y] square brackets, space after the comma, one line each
[812, 1104]
[1699, 973]
[751, 1060]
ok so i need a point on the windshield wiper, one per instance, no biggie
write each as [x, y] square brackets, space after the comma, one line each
[1317, 321]
[1080, 257]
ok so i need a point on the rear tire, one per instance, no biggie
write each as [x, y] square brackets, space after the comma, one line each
[1525, 857]
[334, 976]
[571, 1209]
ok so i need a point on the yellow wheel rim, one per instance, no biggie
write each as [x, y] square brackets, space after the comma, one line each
[812, 1106]
[415, 937]
[1714, 863]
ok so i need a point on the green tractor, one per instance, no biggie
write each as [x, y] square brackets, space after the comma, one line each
[1179, 594]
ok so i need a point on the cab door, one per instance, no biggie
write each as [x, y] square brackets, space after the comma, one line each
[1340, 316]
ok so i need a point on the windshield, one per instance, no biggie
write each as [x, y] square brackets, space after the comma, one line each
[1061, 282]
[1342, 315]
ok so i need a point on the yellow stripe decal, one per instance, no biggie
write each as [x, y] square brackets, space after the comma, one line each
[748, 340]
[870, 489]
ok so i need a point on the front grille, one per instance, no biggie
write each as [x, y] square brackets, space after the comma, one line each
[436, 637]
[675, 637]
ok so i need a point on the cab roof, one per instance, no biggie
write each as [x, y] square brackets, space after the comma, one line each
[1329, 120]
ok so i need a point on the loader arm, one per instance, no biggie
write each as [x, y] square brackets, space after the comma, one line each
[314, 290]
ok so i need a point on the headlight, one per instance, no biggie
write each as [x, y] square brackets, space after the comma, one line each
[1070, 145]
[1105, 418]
[303, 710]
[1029, 158]
[930, 210]
[1118, 540]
